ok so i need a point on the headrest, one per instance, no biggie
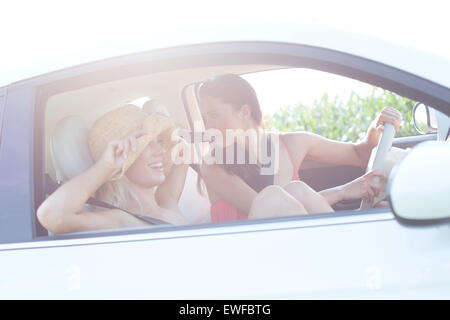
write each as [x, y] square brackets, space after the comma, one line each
[69, 148]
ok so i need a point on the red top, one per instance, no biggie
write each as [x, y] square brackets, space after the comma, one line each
[222, 211]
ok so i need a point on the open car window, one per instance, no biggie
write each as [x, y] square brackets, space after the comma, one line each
[292, 100]
[333, 106]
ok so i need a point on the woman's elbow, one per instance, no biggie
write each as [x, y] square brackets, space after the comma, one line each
[48, 219]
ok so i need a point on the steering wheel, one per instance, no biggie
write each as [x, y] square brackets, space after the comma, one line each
[383, 147]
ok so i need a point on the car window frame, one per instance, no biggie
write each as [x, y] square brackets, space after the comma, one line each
[3, 92]
[222, 228]
[292, 55]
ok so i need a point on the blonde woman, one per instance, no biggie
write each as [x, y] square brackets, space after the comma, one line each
[131, 172]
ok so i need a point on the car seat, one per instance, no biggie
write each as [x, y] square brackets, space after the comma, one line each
[69, 148]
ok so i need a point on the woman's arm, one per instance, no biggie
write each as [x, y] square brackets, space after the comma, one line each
[169, 192]
[305, 145]
[62, 211]
[363, 187]
[228, 187]
[314, 147]
[329, 151]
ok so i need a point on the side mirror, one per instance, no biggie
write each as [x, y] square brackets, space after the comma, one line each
[424, 119]
[419, 185]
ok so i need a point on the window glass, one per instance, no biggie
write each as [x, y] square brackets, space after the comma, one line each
[330, 105]
[291, 100]
[69, 117]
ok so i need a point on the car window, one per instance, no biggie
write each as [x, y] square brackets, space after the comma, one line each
[292, 100]
[330, 105]
[171, 76]
[70, 115]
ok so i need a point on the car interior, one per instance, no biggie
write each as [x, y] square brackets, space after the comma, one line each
[69, 115]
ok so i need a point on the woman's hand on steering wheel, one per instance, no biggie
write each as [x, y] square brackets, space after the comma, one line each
[389, 115]
[365, 187]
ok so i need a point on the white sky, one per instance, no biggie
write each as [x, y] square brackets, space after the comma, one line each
[50, 35]
[280, 88]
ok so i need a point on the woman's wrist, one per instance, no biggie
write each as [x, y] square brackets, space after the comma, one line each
[104, 170]
[100, 173]
[363, 150]
[334, 195]
[343, 192]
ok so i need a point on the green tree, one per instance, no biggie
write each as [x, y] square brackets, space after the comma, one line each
[333, 118]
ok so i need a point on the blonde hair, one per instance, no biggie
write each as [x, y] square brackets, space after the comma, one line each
[117, 124]
[118, 193]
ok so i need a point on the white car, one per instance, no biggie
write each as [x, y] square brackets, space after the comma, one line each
[348, 254]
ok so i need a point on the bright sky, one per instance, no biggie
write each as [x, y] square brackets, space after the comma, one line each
[280, 88]
[49, 35]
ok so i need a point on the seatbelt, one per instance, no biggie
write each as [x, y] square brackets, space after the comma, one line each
[51, 186]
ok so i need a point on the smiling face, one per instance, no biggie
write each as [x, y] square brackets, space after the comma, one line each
[148, 171]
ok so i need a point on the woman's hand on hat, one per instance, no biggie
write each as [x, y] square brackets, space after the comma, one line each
[118, 150]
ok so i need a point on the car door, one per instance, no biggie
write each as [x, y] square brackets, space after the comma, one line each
[347, 254]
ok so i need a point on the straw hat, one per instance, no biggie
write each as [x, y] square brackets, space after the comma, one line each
[121, 122]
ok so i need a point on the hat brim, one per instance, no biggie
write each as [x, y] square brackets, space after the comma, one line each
[155, 125]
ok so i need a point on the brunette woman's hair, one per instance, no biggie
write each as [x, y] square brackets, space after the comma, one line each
[236, 91]
[233, 90]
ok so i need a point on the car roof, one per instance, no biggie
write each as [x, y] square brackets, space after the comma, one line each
[413, 60]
